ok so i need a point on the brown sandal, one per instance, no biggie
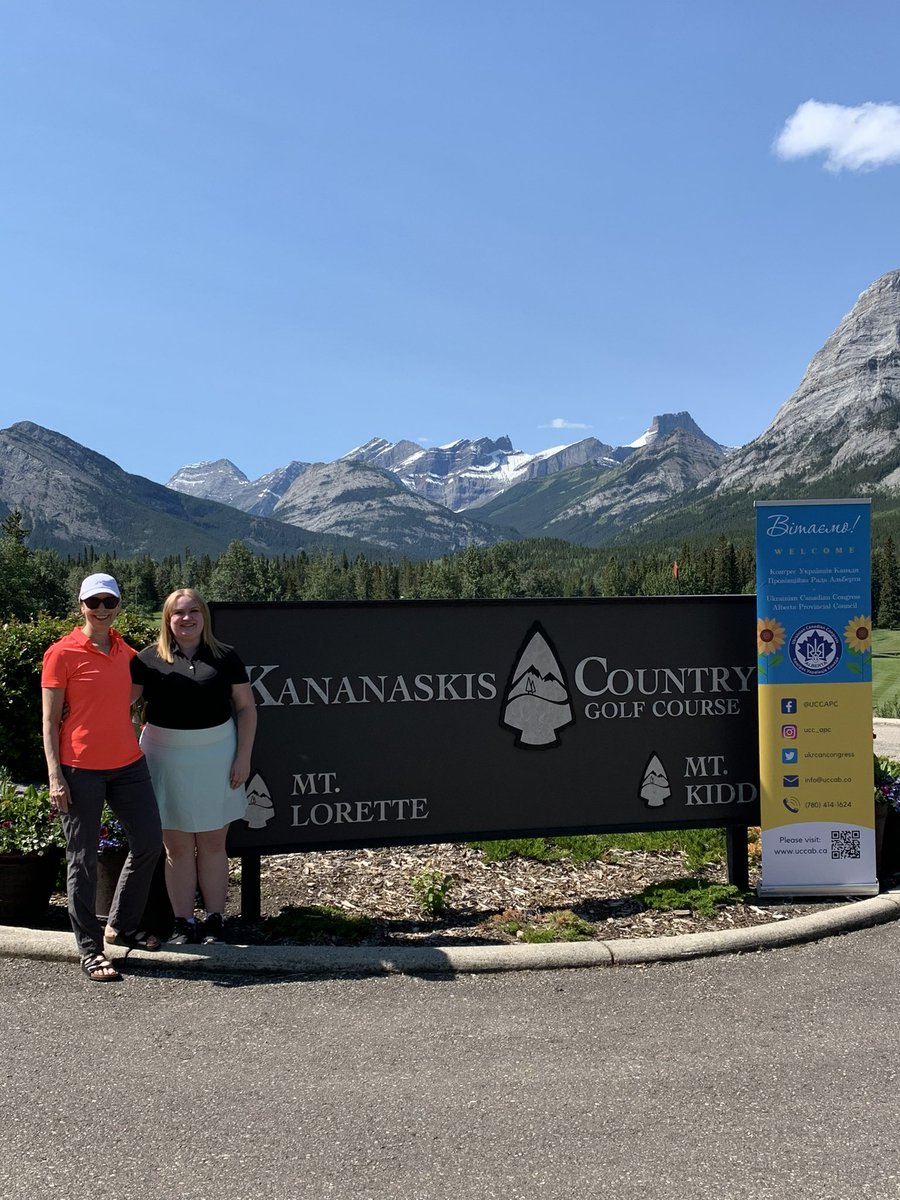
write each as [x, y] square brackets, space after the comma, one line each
[99, 969]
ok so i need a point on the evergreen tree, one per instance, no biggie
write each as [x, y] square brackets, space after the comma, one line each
[31, 581]
[725, 580]
[611, 578]
[14, 567]
[237, 576]
[471, 574]
[888, 611]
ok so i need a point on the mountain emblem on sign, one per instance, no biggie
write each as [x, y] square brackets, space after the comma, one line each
[536, 703]
[260, 809]
[655, 788]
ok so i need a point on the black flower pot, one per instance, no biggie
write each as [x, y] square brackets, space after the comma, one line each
[26, 885]
[889, 861]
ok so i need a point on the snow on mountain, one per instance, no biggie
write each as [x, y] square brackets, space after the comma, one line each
[461, 475]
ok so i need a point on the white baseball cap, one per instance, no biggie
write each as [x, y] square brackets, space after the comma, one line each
[95, 585]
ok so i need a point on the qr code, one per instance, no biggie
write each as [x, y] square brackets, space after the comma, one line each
[845, 843]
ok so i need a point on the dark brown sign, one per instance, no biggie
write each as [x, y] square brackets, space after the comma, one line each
[410, 721]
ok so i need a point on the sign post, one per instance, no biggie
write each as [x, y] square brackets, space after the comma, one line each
[814, 643]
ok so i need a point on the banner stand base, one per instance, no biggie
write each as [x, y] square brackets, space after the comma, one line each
[818, 889]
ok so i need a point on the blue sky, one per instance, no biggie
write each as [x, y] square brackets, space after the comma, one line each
[271, 230]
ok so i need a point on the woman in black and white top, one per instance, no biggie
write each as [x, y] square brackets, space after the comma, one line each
[198, 737]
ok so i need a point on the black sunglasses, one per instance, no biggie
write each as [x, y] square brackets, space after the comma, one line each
[95, 601]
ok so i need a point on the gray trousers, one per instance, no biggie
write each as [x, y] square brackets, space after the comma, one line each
[129, 793]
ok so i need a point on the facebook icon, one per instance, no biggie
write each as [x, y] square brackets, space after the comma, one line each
[789, 705]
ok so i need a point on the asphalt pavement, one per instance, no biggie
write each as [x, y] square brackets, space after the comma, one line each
[887, 737]
[753, 1077]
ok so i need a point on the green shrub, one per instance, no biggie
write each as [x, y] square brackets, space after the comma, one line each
[696, 894]
[563, 925]
[27, 823]
[22, 646]
[432, 891]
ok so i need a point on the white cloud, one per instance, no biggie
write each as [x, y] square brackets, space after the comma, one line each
[852, 139]
[562, 423]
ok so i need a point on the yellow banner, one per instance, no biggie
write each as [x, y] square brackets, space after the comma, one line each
[813, 766]
[814, 645]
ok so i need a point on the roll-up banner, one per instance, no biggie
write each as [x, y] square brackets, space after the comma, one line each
[814, 647]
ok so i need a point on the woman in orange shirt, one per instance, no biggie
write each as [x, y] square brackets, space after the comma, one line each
[93, 756]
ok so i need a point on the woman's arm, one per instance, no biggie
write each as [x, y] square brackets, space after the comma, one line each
[245, 718]
[52, 701]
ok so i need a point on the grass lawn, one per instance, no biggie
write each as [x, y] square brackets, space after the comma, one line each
[886, 672]
[700, 846]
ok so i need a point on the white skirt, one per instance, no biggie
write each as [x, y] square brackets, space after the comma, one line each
[190, 769]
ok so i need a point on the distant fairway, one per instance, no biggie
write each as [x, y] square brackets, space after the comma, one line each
[886, 671]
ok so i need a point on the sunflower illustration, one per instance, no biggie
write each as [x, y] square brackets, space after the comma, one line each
[769, 635]
[858, 635]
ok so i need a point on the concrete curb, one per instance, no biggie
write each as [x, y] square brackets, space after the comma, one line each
[224, 959]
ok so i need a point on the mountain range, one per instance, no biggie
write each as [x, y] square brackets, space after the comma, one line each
[460, 476]
[72, 498]
[837, 435]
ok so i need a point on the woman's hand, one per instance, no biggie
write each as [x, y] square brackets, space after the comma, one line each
[245, 718]
[53, 706]
[59, 793]
[240, 771]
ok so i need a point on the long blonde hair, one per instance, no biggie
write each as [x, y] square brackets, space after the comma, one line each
[165, 643]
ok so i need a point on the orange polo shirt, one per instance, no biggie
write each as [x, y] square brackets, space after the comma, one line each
[96, 733]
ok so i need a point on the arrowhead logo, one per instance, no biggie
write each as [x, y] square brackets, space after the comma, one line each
[260, 808]
[655, 783]
[536, 703]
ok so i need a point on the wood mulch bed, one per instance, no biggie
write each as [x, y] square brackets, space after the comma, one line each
[487, 898]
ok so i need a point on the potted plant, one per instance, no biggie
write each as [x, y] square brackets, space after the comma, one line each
[31, 843]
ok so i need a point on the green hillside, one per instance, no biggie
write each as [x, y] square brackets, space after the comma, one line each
[531, 506]
[886, 670]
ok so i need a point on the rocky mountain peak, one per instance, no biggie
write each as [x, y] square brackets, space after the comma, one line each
[217, 480]
[222, 481]
[331, 497]
[846, 411]
[666, 423]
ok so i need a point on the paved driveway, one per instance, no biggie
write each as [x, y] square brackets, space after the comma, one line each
[887, 737]
[771, 1075]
